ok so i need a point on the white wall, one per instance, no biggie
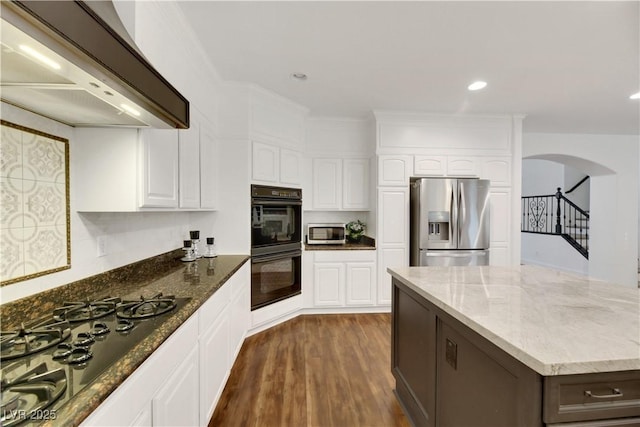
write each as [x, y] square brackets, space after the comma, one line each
[541, 177]
[553, 252]
[612, 162]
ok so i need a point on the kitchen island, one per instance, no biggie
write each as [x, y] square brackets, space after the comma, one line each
[514, 346]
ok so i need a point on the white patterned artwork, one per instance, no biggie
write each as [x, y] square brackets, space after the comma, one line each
[34, 203]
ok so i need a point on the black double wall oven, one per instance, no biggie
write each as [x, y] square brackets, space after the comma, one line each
[276, 244]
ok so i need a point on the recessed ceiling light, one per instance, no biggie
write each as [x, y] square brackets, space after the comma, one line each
[299, 76]
[635, 96]
[40, 57]
[477, 85]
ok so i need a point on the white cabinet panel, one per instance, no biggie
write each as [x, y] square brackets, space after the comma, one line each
[328, 284]
[265, 162]
[361, 283]
[394, 170]
[327, 183]
[430, 165]
[177, 402]
[355, 189]
[290, 164]
[499, 257]
[462, 166]
[393, 211]
[209, 179]
[160, 156]
[189, 156]
[144, 418]
[498, 170]
[388, 257]
[500, 201]
[240, 309]
[214, 365]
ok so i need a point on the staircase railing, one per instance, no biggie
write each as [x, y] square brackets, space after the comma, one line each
[557, 215]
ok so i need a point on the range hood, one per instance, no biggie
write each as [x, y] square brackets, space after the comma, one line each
[74, 62]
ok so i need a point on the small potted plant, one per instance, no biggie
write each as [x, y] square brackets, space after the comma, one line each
[355, 230]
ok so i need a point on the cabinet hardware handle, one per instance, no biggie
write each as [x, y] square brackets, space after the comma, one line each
[616, 393]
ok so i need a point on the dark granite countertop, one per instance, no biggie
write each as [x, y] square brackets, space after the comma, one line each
[198, 280]
[367, 244]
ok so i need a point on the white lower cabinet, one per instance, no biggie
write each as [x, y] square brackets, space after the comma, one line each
[177, 402]
[343, 278]
[181, 382]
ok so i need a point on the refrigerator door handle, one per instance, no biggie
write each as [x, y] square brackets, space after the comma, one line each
[456, 254]
[462, 213]
[453, 217]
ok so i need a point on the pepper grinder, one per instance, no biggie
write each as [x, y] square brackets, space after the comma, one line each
[189, 255]
[211, 248]
[195, 239]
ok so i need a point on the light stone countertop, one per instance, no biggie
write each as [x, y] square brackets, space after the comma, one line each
[556, 323]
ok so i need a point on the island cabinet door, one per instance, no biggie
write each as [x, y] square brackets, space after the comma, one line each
[480, 385]
[413, 356]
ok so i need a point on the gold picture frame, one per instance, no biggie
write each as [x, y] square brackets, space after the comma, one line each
[35, 225]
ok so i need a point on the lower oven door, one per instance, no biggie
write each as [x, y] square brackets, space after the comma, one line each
[275, 277]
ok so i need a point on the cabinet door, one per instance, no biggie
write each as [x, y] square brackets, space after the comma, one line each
[240, 310]
[413, 355]
[500, 232]
[361, 283]
[328, 284]
[355, 189]
[209, 179]
[189, 155]
[462, 166]
[430, 165]
[265, 162]
[327, 183]
[143, 419]
[388, 257]
[394, 170]
[393, 211]
[178, 401]
[498, 170]
[290, 166]
[159, 168]
[214, 366]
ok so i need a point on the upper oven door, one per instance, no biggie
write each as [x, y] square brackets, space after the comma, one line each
[275, 222]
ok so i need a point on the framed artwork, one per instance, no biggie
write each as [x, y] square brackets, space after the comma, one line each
[35, 234]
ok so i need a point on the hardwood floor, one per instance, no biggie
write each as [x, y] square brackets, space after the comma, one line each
[314, 370]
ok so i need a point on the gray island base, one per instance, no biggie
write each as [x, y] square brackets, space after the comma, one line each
[523, 346]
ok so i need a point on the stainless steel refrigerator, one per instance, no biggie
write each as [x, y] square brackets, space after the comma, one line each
[449, 221]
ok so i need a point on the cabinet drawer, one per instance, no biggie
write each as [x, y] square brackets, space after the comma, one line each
[591, 396]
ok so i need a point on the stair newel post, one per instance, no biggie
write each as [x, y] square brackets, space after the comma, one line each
[558, 224]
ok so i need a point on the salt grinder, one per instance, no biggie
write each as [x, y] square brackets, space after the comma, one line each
[211, 248]
[189, 255]
[195, 239]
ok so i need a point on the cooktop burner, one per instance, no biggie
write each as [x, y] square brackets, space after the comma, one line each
[146, 307]
[45, 365]
[14, 344]
[86, 310]
[28, 395]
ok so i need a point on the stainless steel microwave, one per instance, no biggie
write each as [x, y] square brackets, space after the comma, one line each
[326, 234]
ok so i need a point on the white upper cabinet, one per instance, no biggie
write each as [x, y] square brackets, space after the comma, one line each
[290, 167]
[189, 155]
[430, 165]
[394, 170]
[498, 170]
[341, 184]
[265, 163]
[355, 189]
[124, 170]
[327, 183]
[463, 166]
[209, 180]
[273, 165]
[160, 168]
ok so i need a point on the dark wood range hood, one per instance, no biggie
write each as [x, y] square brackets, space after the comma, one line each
[102, 72]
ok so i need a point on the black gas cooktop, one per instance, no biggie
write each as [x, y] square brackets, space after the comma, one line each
[46, 363]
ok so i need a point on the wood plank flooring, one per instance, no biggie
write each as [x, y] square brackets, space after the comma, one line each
[314, 371]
